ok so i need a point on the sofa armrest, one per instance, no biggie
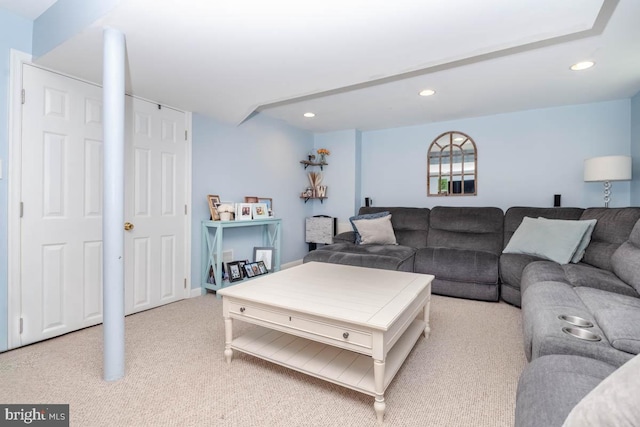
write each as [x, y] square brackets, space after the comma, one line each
[346, 237]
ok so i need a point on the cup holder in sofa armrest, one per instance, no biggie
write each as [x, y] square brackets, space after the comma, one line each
[582, 334]
[576, 321]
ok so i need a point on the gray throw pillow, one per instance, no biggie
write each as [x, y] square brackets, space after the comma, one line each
[365, 216]
[550, 239]
[376, 231]
[613, 402]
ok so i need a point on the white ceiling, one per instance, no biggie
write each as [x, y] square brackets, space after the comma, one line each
[359, 64]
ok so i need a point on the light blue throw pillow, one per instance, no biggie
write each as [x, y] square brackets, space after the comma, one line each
[586, 238]
[365, 216]
[549, 239]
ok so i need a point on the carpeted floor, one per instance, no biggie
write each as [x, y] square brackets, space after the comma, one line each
[465, 374]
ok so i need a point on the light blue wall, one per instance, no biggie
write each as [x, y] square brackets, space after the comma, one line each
[15, 33]
[524, 158]
[341, 176]
[259, 158]
[64, 19]
[635, 149]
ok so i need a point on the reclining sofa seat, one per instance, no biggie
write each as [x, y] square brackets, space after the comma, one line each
[512, 265]
[410, 226]
[613, 228]
[463, 252]
[615, 316]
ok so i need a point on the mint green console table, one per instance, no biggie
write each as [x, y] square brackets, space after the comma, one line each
[213, 235]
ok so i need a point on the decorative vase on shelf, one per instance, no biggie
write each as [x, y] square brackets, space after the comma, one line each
[323, 158]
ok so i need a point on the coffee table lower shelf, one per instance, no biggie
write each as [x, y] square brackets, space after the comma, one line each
[329, 363]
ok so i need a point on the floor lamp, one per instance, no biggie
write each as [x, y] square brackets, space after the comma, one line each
[607, 169]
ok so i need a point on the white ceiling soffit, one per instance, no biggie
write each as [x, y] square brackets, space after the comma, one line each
[30, 9]
[360, 63]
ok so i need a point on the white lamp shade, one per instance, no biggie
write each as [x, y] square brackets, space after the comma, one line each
[608, 168]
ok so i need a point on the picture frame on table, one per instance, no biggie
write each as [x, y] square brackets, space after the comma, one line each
[248, 270]
[235, 271]
[212, 277]
[255, 269]
[243, 212]
[259, 210]
[262, 267]
[264, 254]
[251, 199]
[214, 201]
[241, 265]
[269, 202]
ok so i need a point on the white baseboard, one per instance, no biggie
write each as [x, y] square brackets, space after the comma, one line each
[291, 264]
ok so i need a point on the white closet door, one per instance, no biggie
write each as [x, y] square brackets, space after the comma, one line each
[156, 187]
[61, 235]
[61, 188]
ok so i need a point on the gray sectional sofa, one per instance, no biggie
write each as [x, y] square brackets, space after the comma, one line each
[463, 248]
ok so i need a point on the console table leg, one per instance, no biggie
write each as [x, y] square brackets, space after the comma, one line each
[228, 337]
[378, 375]
[426, 309]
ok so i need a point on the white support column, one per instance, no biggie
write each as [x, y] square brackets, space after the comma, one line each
[113, 76]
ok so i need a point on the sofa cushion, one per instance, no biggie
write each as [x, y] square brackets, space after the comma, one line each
[612, 229]
[458, 265]
[551, 386]
[621, 327]
[472, 228]
[613, 402]
[551, 239]
[625, 261]
[375, 231]
[410, 225]
[387, 257]
[574, 275]
[598, 299]
[363, 217]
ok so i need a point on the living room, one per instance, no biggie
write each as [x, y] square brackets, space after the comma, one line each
[525, 156]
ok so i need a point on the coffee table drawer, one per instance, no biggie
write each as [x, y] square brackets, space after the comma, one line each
[337, 333]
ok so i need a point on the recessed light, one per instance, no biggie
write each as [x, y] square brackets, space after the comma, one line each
[427, 92]
[309, 114]
[582, 65]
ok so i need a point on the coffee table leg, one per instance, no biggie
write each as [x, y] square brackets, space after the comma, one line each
[426, 309]
[228, 337]
[378, 376]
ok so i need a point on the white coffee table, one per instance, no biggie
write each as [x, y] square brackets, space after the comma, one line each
[352, 326]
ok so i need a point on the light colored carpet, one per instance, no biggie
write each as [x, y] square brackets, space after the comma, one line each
[465, 374]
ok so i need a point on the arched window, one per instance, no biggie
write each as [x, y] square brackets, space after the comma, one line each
[452, 166]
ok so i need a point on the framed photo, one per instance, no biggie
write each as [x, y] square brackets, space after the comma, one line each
[259, 210]
[211, 278]
[250, 199]
[241, 265]
[264, 254]
[248, 270]
[213, 201]
[243, 212]
[254, 268]
[262, 267]
[235, 272]
[267, 201]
